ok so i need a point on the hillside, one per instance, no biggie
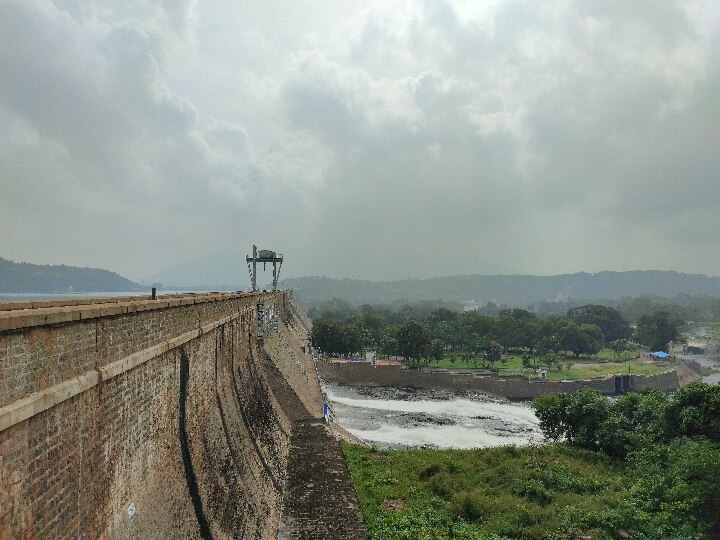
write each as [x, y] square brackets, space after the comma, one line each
[53, 279]
[512, 290]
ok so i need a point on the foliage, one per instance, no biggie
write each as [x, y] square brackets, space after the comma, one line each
[413, 341]
[336, 338]
[41, 278]
[582, 339]
[588, 420]
[695, 411]
[658, 329]
[610, 321]
[620, 346]
[551, 492]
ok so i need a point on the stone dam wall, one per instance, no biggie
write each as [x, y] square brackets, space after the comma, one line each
[135, 418]
[362, 373]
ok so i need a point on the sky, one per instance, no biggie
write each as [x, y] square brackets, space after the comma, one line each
[376, 140]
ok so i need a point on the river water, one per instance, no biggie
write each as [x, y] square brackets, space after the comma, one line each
[408, 418]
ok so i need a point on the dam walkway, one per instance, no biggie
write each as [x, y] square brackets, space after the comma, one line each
[320, 502]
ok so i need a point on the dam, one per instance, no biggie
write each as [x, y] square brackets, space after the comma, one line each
[183, 416]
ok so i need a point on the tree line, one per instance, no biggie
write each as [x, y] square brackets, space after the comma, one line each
[430, 331]
[671, 447]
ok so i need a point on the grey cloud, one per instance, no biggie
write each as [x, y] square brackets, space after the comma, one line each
[374, 142]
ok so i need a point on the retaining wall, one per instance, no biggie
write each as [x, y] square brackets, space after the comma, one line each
[135, 418]
[516, 389]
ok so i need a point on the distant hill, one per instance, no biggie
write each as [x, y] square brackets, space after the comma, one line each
[511, 290]
[53, 279]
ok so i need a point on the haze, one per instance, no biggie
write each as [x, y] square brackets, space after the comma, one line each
[382, 141]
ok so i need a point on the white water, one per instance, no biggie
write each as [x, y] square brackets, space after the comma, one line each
[453, 423]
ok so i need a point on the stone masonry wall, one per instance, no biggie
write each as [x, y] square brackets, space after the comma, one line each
[139, 418]
[517, 389]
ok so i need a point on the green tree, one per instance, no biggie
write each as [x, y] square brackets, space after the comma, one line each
[610, 321]
[326, 335]
[587, 409]
[634, 421]
[619, 346]
[695, 411]
[577, 418]
[437, 349]
[551, 410]
[657, 329]
[582, 339]
[413, 341]
[352, 338]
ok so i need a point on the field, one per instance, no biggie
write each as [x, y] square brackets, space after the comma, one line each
[549, 492]
[563, 367]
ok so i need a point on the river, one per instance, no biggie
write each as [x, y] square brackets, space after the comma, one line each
[409, 418]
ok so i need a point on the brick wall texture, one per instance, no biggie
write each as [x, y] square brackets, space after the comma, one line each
[191, 443]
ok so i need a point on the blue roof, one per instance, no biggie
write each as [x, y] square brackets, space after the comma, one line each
[660, 354]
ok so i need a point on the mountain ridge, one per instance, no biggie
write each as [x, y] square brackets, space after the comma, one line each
[516, 289]
[31, 278]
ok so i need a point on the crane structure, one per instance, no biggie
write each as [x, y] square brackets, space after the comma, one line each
[264, 256]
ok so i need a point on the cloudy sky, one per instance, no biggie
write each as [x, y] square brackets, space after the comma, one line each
[380, 140]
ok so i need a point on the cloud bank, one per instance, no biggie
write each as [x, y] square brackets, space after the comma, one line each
[403, 139]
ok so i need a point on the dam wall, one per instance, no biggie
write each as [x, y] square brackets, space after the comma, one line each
[362, 373]
[137, 418]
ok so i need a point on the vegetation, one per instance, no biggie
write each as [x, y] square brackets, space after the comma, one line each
[514, 341]
[540, 291]
[36, 278]
[640, 467]
[657, 329]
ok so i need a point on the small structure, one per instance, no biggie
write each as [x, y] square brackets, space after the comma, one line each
[542, 373]
[264, 256]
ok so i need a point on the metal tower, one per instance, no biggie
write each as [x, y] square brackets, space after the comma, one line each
[264, 256]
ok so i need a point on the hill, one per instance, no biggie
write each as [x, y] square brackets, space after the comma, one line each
[53, 279]
[516, 290]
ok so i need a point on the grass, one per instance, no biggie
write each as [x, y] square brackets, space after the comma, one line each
[712, 331]
[600, 365]
[707, 371]
[551, 492]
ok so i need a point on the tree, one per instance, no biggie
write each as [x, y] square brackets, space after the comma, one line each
[413, 340]
[437, 349]
[695, 411]
[577, 418]
[333, 337]
[551, 410]
[657, 330]
[516, 328]
[326, 335]
[352, 338]
[619, 346]
[610, 321]
[583, 339]
[547, 345]
[586, 412]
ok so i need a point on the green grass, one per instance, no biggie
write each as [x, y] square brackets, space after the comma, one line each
[551, 492]
[707, 371]
[712, 331]
[601, 365]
